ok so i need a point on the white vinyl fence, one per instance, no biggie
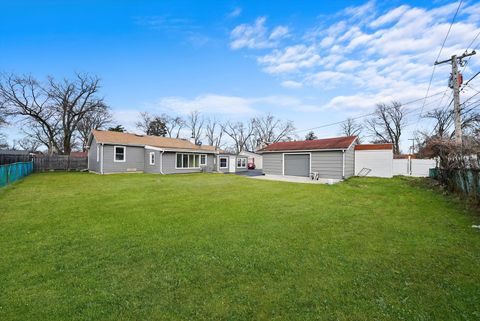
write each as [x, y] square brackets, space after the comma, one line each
[413, 167]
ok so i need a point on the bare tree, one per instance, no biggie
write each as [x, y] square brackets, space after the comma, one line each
[195, 123]
[351, 128]
[117, 128]
[213, 133]
[28, 144]
[93, 121]
[240, 133]
[54, 108]
[386, 124]
[152, 124]
[269, 129]
[173, 125]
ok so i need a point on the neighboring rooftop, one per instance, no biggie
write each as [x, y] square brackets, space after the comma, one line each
[110, 137]
[316, 144]
[13, 152]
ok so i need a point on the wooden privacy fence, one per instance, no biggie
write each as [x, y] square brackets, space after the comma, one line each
[60, 163]
[13, 172]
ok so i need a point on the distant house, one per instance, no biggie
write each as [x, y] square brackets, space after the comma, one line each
[253, 158]
[115, 152]
[330, 158]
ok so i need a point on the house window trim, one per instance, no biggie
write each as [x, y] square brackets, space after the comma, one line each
[220, 162]
[150, 158]
[187, 168]
[200, 161]
[124, 154]
[243, 160]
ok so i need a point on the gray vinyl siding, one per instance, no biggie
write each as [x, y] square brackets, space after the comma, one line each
[93, 165]
[328, 164]
[169, 163]
[155, 168]
[134, 161]
[272, 163]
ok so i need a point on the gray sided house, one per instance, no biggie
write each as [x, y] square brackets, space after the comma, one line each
[113, 152]
[332, 158]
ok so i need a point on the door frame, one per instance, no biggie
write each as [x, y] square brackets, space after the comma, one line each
[305, 153]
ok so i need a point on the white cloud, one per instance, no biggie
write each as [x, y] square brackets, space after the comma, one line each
[256, 35]
[226, 105]
[292, 84]
[235, 12]
[366, 54]
[290, 59]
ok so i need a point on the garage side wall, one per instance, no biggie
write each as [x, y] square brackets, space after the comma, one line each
[379, 162]
[328, 164]
[350, 162]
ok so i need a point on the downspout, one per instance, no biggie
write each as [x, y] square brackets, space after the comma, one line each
[161, 162]
[101, 159]
[343, 164]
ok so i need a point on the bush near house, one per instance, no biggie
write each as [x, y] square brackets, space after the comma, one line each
[79, 246]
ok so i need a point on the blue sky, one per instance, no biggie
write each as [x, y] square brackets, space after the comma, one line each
[311, 62]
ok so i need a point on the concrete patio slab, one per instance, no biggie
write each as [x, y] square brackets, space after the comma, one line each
[297, 179]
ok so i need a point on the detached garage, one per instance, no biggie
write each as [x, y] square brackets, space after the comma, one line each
[330, 157]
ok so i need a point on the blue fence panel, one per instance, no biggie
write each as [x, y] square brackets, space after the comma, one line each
[13, 172]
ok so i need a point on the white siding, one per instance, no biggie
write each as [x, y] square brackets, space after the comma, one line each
[379, 162]
[413, 167]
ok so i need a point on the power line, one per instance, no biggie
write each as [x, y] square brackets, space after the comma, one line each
[439, 53]
[362, 116]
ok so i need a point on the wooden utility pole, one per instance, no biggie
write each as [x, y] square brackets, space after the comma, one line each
[455, 61]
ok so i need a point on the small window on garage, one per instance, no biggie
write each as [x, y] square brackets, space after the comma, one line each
[119, 153]
[223, 162]
[152, 158]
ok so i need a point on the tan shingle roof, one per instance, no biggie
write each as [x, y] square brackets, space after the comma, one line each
[109, 137]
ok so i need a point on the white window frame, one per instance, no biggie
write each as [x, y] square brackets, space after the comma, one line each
[151, 159]
[188, 157]
[98, 153]
[124, 154]
[220, 162]
[243, 162]
[205, 163]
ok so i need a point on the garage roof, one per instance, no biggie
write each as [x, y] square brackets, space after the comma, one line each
[316, 144]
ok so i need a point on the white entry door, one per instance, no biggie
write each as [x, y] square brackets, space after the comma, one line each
[231, 164]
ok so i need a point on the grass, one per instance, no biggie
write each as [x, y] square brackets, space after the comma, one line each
[78, 246]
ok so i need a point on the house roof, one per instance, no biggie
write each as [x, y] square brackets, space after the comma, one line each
[373, 146]
[316, 144]
[110, 137]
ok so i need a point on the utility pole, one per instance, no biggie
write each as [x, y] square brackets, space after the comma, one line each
[413, 145]
[455, 61]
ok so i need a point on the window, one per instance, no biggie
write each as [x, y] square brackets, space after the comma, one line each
[241, 162]
[203, 160]
[98, 153]
[152, 158]
[188, 160]
[223, 162]
[119, 153]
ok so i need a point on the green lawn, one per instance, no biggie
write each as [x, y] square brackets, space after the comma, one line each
[77, 246]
